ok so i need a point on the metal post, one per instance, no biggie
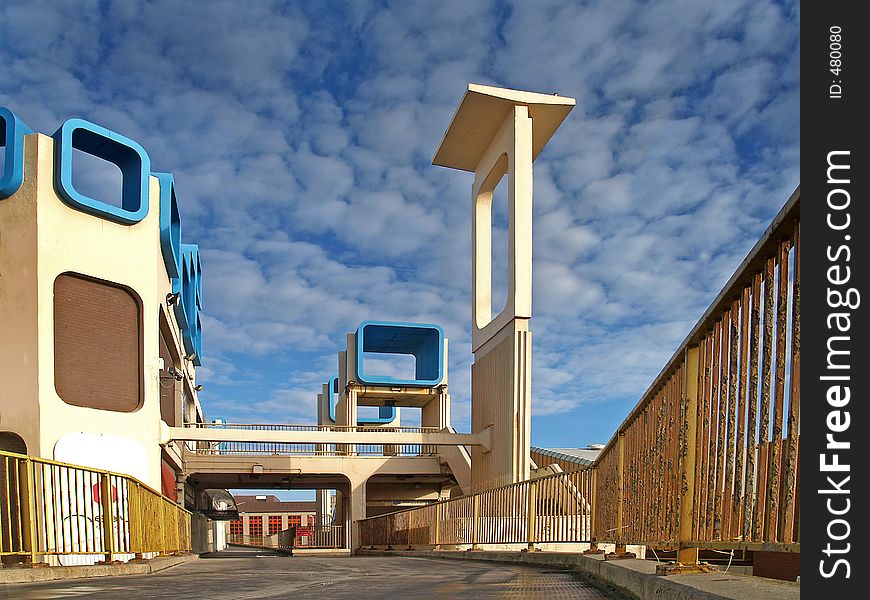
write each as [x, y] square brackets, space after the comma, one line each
[687, 555]
[162, 525]
[108, 516]
[620, 468]
[438, 526]
[137, 527]
[475, 520]
[531, 514]
[593, 503]
[28, 515]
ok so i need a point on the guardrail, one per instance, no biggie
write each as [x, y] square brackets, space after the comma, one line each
[241, 448]
[314, 536]
[708, 458]
[50, 508]
[552, 509]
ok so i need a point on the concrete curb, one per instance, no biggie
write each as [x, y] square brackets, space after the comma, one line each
[632, 577]
[35, 574]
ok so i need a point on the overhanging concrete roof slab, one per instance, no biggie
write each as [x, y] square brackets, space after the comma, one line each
[482, 111]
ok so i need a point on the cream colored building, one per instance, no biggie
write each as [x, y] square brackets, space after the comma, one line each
[100, 334]
[99, 307]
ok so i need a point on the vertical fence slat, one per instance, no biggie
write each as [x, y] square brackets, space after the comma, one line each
[775, 447]
[737, 529]
[688, 456]
[764, 417]
[730, 449]
[788, 513]
[750, 516]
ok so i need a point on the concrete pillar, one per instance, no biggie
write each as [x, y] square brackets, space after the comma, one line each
[492, 135]
[180, 481]
[357, 509]
[346, 406]
[340, 509]
[436, 412]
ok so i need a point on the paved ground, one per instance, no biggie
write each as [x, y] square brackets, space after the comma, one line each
[243, 574]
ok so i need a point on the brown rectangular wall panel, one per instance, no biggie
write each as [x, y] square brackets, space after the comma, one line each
[97, 344]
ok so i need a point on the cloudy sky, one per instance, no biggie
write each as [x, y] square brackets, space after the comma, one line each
[301, 135]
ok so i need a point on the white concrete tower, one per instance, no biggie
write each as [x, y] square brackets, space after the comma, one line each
[497, 132]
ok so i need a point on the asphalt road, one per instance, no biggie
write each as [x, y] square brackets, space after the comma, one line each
[242, 574]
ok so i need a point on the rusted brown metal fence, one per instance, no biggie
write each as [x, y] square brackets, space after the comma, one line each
[708, 458]
[49, 508]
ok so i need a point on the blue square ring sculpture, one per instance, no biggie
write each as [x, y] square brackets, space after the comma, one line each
[129, 157]
[12, 132]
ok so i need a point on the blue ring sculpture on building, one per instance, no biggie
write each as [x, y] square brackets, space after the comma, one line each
[189, 287]
[12, 132]
[123, 152]
[182, 261]
[424, 342]
[386, 414]
[170, 225]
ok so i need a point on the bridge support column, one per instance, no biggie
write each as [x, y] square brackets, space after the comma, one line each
[357, 510]
[436, 412]
[180, 485]
[346, 407]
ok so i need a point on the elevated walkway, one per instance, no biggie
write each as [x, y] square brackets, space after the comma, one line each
[305, 472]
[320, 457]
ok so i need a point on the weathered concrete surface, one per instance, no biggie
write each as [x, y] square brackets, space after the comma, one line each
[247, 574]
[34, 574]
[635, 578]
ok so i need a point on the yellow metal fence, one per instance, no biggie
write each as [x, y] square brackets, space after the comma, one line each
[52, 508]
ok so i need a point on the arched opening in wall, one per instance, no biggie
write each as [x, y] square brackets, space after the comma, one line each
[500, 246]
[98, 360]
[12, 442]
[492, 244]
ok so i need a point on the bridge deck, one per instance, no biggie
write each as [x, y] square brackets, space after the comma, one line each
[248, 573]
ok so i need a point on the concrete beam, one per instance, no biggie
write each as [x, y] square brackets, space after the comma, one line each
[227, 434]
[322, 465]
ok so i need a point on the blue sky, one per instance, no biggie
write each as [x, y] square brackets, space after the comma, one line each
[301, 134]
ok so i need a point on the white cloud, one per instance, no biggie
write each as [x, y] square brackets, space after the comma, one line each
[300, 138]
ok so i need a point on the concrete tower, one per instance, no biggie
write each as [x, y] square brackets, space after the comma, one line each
[498, 132]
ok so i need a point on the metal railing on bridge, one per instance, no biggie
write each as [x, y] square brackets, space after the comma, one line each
[708, 458]
[552, 509]
[313, 536]
[49, 508]
[241, 448]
